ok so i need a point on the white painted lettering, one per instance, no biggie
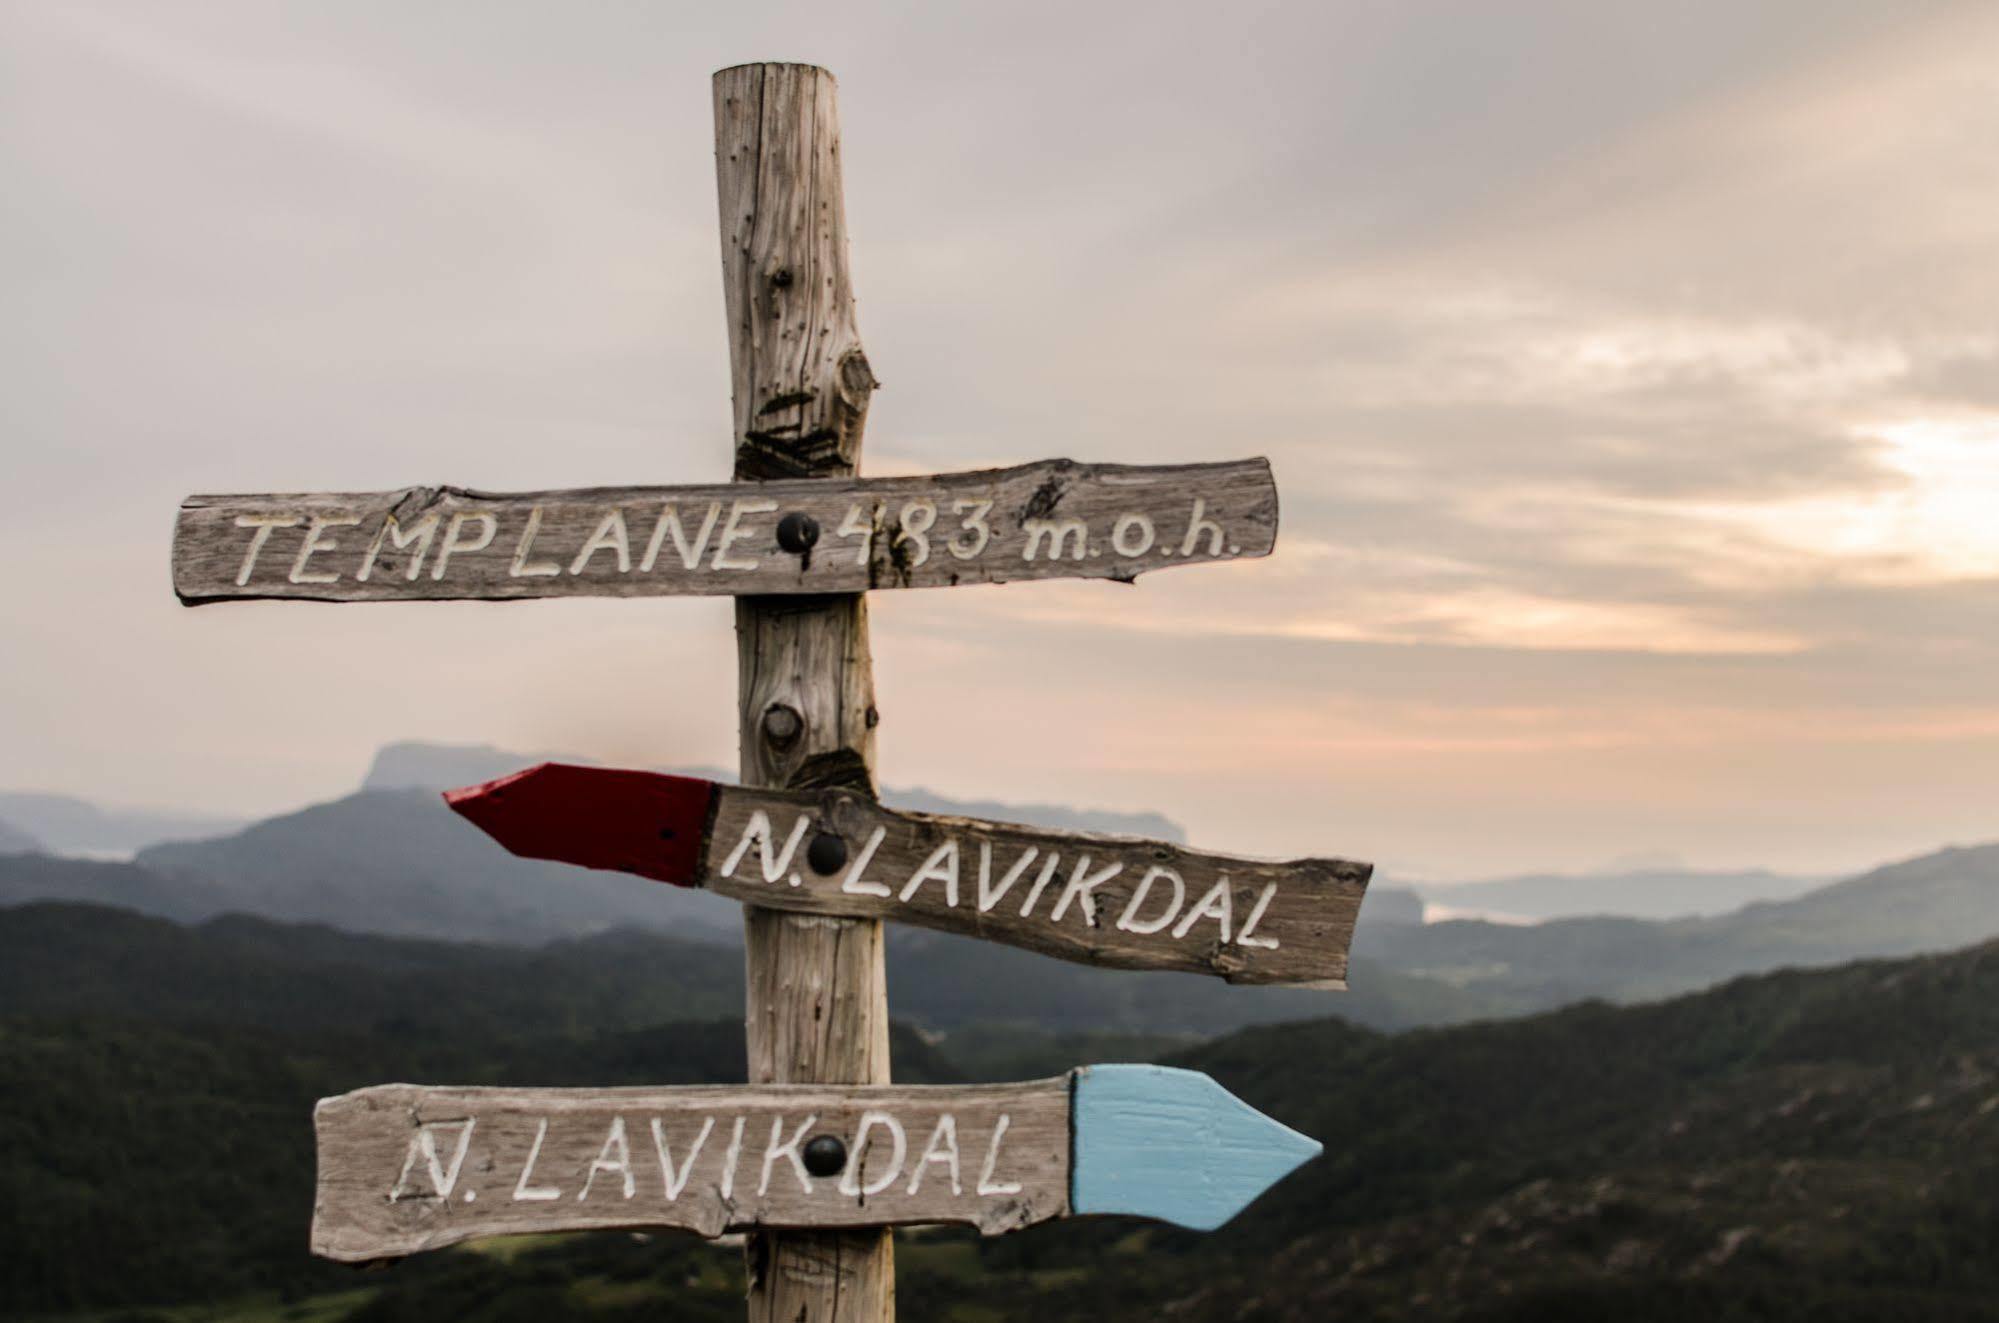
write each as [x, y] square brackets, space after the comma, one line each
[1081, 883]
[675, 1182]
[614, 1143]
[263, 524]
[423, 1144]
[852, 883]
[313, 543]
[1041, 883]
[941, 866]
[758, 832]
[1129, 922]
[454, 543]
[392, 533]
[1243, 938]
[690, 553]
[987, 1186]
[732, 533]
[988, 899]
[1138, 545]
[917, 518]
[1054, 532]
[943, 1147]
[730, 1158]
[972, 523]
[523, 568]
[1196, 526]
[850, 1179]
[525, 1193]
[610, 536]
[1215, 904]
[788, 1149]
[854, 526]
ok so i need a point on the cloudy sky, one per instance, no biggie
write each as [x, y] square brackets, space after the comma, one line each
[1630, 373]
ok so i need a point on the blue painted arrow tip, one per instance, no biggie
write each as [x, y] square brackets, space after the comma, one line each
[1174, 1145]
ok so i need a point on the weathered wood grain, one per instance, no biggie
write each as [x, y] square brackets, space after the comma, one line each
[1116, 901]
[1102, 900]
[817, 993]
[1052, 520]
[404, 1168]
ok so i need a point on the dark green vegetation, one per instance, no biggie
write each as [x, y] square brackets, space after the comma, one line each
[620, 977]
[1819, 1144]
[172, 1140]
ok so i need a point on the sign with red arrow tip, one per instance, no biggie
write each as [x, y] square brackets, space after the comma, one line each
[1117, 901]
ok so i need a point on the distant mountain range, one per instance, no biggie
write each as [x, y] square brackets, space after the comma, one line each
[1931, 903]
[68, 825]
[414, 765]
[392, 860]
[396, 862]
[1653, 893]
[15, 841]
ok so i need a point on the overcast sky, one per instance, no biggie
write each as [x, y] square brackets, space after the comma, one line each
[1630, 374]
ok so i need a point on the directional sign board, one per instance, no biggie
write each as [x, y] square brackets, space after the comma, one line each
[1100, 900]
[404, 1168]
[1053, 520]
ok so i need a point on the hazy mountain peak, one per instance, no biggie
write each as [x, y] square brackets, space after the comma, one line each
[420, 765]
[417, 764]
[15, 841]
[67, 824]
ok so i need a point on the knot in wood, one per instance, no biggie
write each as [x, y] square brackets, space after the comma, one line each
[782, 724]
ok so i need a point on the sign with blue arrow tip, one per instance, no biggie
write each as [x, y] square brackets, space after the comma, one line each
[405, 1168]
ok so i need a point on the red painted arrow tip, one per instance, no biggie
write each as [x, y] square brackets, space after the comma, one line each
[465, 795]
[596, 817]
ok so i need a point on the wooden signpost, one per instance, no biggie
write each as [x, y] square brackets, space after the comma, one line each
[1100, 900]
[818, 1154]
[1053, 520]
[405, 1168]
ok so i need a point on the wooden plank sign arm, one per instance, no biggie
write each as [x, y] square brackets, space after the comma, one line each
[404, 1168]
[1116, 901]
[1053, 520]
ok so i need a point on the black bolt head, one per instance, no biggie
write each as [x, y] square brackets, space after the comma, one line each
[797, 533]
[825, 1155]
[826, 853]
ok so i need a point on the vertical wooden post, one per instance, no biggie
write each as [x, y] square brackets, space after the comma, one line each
[818, 1007]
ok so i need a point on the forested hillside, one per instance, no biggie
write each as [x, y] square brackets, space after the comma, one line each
[1804, 1145]
[59, 959]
